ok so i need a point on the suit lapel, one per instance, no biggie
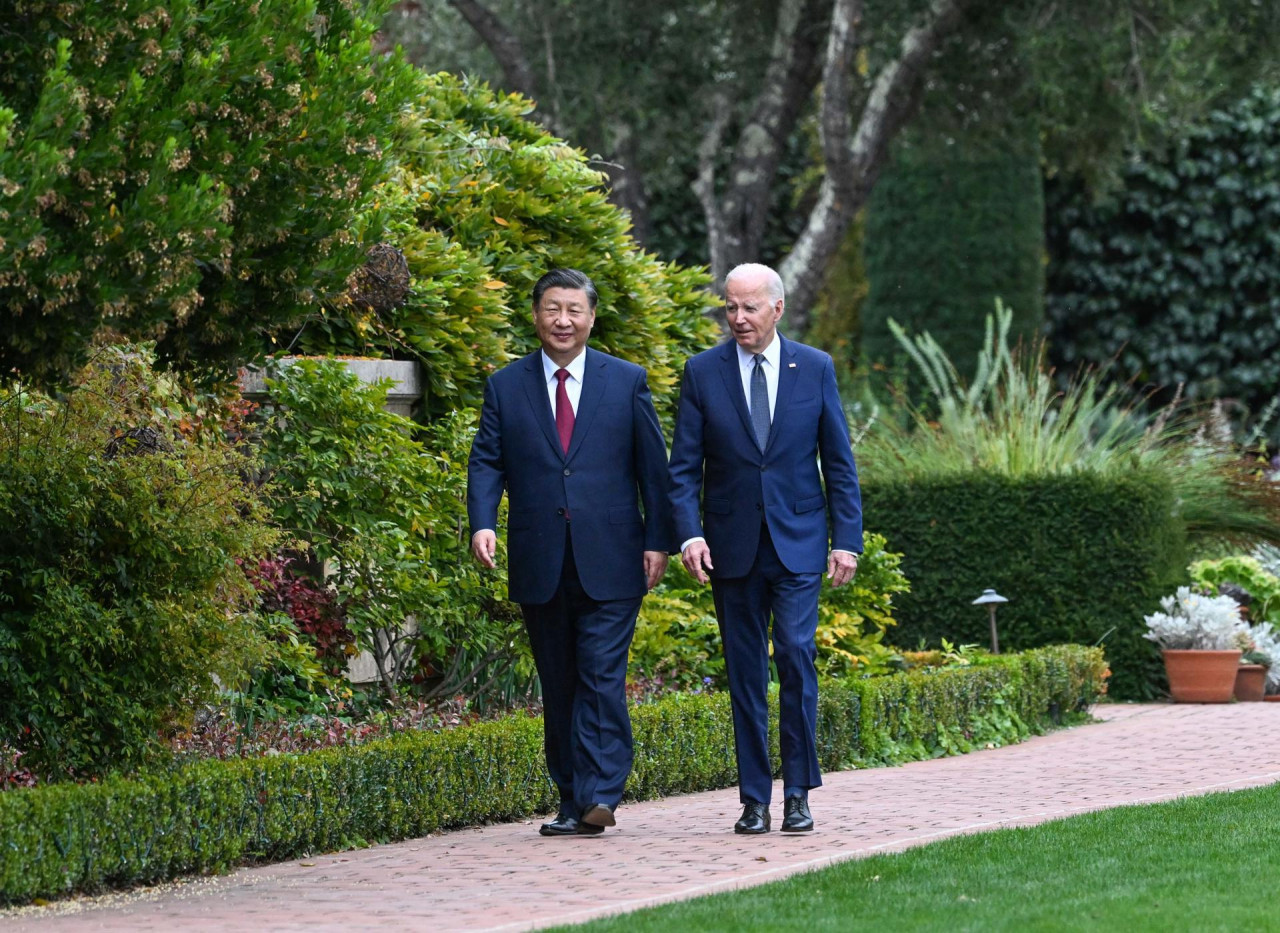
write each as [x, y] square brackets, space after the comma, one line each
[595, 376]
[535, 385]
[732, 374]
[788, 375]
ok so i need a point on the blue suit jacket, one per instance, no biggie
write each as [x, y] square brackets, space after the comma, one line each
[617, 460]
[715, 458]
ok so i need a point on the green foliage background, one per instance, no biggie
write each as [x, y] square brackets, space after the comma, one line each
[120, 592]
[946, 235]
[1177, 273]
[381, 502]
[677, 639]
[485, 203]
[1081, 558]
[194, 173]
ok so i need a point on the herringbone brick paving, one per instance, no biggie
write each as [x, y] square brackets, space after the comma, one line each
[507, 877]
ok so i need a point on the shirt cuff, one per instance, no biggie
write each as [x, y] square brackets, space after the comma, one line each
[840, 550]
[690, 541]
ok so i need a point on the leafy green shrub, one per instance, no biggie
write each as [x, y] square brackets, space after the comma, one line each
[210, 816]
[485, 203]
[120, 592]
[1075, 504]
[677, 639]
[1261, 586]
[195, 173]
[1176, 274]
[381, 502]
[1081, 558]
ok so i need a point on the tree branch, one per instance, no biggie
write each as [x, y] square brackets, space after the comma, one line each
[787, 85]
[704, 186]
[893, 99]
[517, 74]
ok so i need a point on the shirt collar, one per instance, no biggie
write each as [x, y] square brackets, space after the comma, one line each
[577, 366]
[772, 353]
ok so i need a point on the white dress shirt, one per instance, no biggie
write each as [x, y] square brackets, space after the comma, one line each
[573, 385]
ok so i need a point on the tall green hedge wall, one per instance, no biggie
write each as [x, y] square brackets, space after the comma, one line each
[1081, 558]
[1178, 272]
[946, 236]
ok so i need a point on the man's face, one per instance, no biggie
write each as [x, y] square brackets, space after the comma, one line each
[752, 316]
[563, 320]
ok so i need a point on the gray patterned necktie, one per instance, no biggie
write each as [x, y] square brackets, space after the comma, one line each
[760, 402]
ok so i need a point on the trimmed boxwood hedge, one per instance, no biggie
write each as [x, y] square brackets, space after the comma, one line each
[1081, 557]
[210, 816]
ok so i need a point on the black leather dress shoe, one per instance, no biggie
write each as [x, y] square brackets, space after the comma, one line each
[565, 823]
[598, 814]
[755, 819]
[796, 817]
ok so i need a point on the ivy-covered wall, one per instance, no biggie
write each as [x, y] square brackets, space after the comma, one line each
[1177, 274]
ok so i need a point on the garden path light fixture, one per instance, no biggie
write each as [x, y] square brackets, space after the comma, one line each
[990, 598]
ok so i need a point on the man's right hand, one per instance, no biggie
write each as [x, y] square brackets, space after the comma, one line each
[697, 560]
[484, 544]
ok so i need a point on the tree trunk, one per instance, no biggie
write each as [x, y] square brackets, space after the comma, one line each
[852, 169]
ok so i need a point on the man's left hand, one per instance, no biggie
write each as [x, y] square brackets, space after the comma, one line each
[841, 566]
[655, 565]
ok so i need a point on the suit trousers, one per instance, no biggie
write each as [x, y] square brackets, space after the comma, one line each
[743, 607]
[580, 648]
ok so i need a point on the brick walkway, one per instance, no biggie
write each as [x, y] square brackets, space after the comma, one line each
[507, 877]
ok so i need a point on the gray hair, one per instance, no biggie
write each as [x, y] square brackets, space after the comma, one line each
[772, 281]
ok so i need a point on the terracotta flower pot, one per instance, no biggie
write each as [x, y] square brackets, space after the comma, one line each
[1272, 697]
[1202, 676]
[1251, 683]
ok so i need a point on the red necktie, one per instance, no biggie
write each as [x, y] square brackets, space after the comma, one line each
[564, 411]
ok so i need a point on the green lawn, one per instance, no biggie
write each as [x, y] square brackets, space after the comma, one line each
[1205, 863]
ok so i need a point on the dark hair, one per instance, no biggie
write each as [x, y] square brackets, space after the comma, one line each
[565, 278]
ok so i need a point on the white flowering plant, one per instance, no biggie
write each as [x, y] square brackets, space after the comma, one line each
[1195, 621]
[1264, 649]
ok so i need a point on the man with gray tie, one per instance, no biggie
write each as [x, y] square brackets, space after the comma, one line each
[759, 428]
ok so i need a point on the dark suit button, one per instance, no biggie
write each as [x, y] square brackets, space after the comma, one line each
[568, 472]
[757, 506]
[763, 468]
[560, 511]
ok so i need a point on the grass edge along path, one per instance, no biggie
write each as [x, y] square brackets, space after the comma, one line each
[1196, 863]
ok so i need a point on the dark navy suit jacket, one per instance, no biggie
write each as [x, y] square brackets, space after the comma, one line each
[617, 461]
[715, 458]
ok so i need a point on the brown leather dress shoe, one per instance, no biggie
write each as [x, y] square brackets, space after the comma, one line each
[755, 819]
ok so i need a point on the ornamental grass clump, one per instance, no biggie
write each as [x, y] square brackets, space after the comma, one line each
[1192, 621]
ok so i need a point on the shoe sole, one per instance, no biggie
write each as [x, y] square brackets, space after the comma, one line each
[599, 816]
[546, 830]
[797, 829]
[587, 829]
[751, 832]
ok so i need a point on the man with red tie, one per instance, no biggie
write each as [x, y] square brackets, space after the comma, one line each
[571, 434]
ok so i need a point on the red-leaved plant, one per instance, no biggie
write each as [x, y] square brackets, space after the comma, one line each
[314, 609]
